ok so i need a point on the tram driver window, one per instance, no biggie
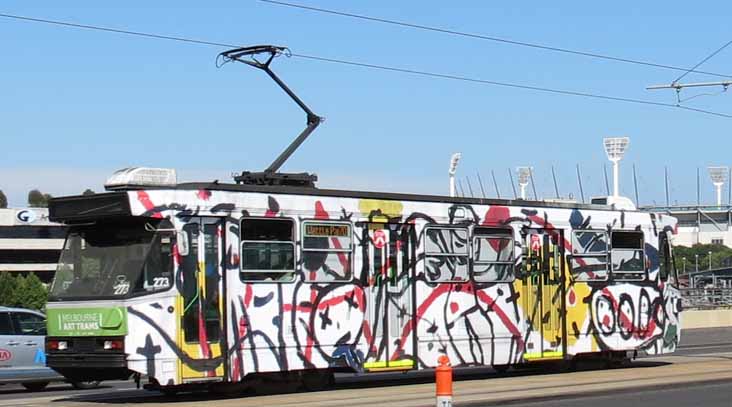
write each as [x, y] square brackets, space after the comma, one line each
[326, 251]
[493, 255]
[667, 267]
[446, 254]
[267, 249]
[589, 255]
[626, 255]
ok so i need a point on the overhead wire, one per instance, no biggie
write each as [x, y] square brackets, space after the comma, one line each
[490, 38]
[710, 56]
[366, 65]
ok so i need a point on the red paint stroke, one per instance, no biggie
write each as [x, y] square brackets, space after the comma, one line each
[635, 330]
[454, 307]
[144, 199]
[468, 288]
[496, 216]
[204, 194]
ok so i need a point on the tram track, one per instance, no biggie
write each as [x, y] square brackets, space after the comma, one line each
[470, 389]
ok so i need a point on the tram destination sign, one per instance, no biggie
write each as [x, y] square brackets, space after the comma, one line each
[326, 230]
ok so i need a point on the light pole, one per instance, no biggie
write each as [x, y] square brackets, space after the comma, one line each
[523, 173]
[452, 170]
[684, 264]
[719, 177]
[696, 262]
[710, 260]
[523, 179]
[615, 149]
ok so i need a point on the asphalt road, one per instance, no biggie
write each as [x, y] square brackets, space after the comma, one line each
[715, 394]
[694, 342]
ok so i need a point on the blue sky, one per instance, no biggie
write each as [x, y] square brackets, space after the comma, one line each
[78, 104]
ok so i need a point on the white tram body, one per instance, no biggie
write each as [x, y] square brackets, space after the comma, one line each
[199, 283]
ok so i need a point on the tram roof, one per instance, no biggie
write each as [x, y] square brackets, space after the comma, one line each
[390, 196]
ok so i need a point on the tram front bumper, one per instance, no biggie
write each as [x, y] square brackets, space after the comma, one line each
[79, 360]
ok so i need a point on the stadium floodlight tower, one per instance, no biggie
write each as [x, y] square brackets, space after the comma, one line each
[615, 148]
[454, 160]
[523, 179]
[719, 177]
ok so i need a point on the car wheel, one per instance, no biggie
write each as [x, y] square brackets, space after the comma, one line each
[35, 386]
[92, 384]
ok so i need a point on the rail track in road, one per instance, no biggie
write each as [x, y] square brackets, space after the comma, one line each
[712, 346]
[470, 389]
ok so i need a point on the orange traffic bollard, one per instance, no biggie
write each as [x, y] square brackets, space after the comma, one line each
[443, 379]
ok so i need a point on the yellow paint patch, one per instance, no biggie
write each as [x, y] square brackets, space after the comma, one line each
[387, 209]
[383, 365]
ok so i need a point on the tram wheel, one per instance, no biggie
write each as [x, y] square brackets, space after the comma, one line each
[316, 380]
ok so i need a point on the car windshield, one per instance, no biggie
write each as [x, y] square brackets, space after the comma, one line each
[115, 260]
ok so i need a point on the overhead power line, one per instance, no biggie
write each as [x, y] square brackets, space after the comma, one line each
[366, 65]
[710, 56]
[491, 38]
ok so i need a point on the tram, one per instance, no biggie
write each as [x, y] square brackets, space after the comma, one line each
[209, 283]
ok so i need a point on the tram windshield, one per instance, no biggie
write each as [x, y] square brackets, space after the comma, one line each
[114, 260]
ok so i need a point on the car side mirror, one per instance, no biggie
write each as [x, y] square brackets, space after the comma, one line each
[182, 242]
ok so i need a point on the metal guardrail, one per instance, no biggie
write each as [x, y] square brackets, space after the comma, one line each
[704, 298]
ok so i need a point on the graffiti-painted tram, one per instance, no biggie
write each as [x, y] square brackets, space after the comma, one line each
[214, 283]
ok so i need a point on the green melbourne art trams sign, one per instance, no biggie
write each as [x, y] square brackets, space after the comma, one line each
[97, 321]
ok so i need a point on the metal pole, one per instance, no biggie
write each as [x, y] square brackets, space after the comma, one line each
[616, 175]
[556, 187]
[665, 181]
[480, 182]
[710, 260]
[696, 263]
[635, 183]
[470, 187]
[579, 181]
[452, 185]
[684, 264]
[719, 194]
[729, 187]
[607, 185]
[533, 186]
[495, 184]
[698, 188]
[513, 186]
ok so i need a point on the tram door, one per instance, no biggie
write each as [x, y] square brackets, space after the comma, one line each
[543, 293]
[389, 296]
[200, 305]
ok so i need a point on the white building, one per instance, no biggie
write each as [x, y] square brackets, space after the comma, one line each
[29, 242]
[700, 224]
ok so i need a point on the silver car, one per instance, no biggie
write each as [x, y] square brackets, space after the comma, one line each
[22, 353]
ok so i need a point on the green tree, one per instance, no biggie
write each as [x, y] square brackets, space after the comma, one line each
[686, 257]
[31, 293]
[8, 289]
[88, 192]
[3, 200]
[37, 199]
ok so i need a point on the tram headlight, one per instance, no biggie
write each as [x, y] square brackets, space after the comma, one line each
[63, 345]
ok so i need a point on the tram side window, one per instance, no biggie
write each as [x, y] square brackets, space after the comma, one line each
[589, 255]
[493, 255]
[667, 267]
[267, 249]
[626, 255]
[446, 253]
[326, 251]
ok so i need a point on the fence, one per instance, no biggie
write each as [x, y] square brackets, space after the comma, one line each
[705, 298]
